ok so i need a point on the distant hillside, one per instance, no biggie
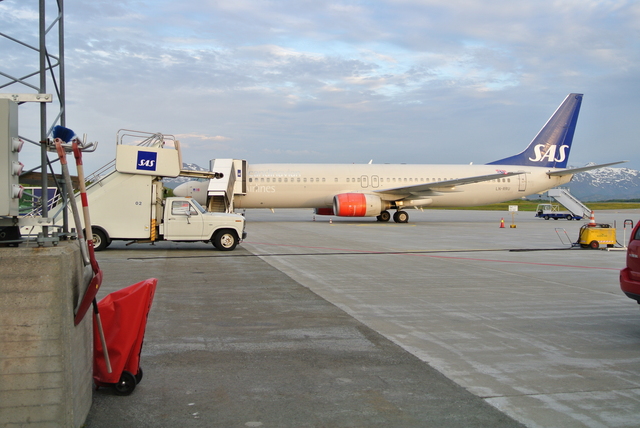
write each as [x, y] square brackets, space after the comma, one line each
[602, 184]
[606, 184]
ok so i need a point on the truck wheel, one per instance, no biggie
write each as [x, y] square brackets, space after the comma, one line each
[100, 241]
[546, 217]
[225, 240]
[569, 217]
[594, 244]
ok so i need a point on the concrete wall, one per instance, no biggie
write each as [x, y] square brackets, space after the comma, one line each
[45, 361]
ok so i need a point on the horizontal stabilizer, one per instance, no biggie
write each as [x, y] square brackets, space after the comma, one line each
[585, 168]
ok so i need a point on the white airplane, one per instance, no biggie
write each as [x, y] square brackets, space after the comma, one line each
[368, 190]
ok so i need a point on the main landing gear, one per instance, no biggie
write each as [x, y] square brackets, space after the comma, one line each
[398, 216]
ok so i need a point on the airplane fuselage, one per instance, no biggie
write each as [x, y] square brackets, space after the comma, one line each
[315, 185]
[366, 190]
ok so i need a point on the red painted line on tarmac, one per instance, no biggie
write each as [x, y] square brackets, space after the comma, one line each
[515, 261]
[409, 253]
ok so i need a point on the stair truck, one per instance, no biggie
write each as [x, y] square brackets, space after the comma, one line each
[129, 204]
[547, 211]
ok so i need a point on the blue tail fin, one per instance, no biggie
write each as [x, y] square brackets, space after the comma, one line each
[550, 148]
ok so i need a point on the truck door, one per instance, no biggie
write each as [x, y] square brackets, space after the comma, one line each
[183, 222]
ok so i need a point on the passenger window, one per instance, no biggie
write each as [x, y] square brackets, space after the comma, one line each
[637, 234]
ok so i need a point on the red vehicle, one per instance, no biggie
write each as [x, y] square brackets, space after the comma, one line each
[630, 276]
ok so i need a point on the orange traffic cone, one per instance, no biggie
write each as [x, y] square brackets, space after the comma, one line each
[502, 223]
[592, 220]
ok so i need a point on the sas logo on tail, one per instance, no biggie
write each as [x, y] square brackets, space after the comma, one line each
[550, 155]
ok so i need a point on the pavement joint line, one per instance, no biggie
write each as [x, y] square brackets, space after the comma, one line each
[431, 253]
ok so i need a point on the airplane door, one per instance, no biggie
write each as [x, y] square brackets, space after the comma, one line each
[522, 182]
[375, 181]
[364, 181]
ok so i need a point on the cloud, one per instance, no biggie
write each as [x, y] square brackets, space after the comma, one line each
[426, 81]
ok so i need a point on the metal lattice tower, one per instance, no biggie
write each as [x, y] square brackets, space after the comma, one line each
[26, 82]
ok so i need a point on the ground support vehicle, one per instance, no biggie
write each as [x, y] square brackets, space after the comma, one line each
[630, 275]
[131, 207]
[547, 211]
[128, 203]
[594, 235]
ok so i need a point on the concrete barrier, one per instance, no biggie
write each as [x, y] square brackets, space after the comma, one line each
[45, 362]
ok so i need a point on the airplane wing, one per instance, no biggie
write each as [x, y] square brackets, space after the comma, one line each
[437, 187]
[585, 168]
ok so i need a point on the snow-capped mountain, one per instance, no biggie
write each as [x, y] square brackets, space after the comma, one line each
[596, 185]
[605, 184]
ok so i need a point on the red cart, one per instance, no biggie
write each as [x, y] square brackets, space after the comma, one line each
[124, 317]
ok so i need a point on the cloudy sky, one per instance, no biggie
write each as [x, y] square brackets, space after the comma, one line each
[396, 81]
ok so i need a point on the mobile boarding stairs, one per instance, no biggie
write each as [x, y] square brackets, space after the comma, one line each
[570, 202]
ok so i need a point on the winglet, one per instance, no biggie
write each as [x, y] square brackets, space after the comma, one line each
[550, 148]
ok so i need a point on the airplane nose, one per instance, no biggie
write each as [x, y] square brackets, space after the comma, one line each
[181, 190]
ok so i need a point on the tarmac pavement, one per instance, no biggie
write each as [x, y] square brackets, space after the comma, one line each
[446, 321]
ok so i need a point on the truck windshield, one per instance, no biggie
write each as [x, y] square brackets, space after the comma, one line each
[198, 206]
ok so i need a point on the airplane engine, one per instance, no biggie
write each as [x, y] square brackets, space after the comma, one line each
[357, 205]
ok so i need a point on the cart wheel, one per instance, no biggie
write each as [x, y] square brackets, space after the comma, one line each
[594, 244]
[126, 384]
[139, 375]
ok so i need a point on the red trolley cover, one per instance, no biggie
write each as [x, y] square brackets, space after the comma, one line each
[124, 320]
